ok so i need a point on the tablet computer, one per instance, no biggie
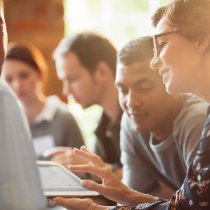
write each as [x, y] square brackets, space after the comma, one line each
[58, 181]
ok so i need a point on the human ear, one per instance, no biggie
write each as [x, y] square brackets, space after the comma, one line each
[102, 70]
[202, 44]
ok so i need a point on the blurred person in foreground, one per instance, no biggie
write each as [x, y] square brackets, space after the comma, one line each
[20, 185]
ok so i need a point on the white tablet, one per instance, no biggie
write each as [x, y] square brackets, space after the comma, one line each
[58, 181]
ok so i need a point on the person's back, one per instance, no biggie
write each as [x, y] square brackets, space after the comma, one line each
[20, 185]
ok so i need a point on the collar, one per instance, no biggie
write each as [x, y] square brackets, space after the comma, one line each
[106, 126]
[50, 108]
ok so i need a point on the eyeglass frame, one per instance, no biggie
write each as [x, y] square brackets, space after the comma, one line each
[155, 46]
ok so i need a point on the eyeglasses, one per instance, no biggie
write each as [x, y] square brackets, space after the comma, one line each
[156, 48]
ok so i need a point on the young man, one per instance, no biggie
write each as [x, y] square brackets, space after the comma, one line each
[86, 64]
[20, 185]
[160, 132]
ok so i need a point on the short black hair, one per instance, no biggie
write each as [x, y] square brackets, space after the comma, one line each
[90, 48]
[137, 50]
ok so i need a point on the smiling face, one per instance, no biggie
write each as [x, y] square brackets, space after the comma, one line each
[142, 96]
[178, 59]
[22, 78]
[77, 81]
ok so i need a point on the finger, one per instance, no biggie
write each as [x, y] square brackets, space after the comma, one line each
[84, 148]
[73, 203]
[62, 202]
[69, 203]
[91, 185]
[87, 168]
[95, 159]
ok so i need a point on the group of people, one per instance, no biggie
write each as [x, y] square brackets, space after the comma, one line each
[155, 81]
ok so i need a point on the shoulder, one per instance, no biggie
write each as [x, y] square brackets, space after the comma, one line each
[61, 109]
[126, 127]
[194, 105]
[189, 123]
[8, 97]
[128, 134]
[193, 112]
[5, 90]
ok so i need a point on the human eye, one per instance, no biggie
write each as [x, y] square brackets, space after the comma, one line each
[161, 44]
[144, 86]
[24, 75]
[8, 79]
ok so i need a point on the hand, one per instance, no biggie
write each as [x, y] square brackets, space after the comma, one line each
[77, 204]
[111, 187]
[63, 156]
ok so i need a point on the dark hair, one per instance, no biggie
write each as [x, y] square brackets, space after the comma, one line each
[90, 48]
[137, 50]
[29, 55]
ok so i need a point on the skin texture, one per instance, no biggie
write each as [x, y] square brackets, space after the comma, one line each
[141, 93]
[22, 78]
[77, 81]
[179, 74]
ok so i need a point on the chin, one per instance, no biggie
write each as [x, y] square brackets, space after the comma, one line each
[140, 128]
[174, 90]
[85, 106]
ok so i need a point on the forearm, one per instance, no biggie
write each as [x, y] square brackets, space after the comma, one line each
[132, 197]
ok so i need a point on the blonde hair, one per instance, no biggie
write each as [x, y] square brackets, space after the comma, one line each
[192, 17]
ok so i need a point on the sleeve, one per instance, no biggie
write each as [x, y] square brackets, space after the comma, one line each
[160, 204]
[136, 171]
[72, 134]
[189, 132]
[20, 185]
[195, 191]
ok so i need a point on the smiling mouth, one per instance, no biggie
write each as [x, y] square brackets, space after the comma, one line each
[138, 117]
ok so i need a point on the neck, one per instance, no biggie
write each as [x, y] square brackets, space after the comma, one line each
[165, 129]
[33, 107]
[110, 102]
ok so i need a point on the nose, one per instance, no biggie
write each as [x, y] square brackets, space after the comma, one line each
[154, 63]
[133, 100]
[16, 84]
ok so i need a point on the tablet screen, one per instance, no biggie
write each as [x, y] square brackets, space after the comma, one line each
[58, 181]
[53, 178]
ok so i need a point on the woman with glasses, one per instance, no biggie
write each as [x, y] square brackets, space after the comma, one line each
[182, 55]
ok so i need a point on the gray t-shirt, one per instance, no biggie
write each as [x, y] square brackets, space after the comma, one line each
[55, 126]
[145, 162]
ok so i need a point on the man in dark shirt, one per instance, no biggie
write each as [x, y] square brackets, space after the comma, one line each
[86, 64]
